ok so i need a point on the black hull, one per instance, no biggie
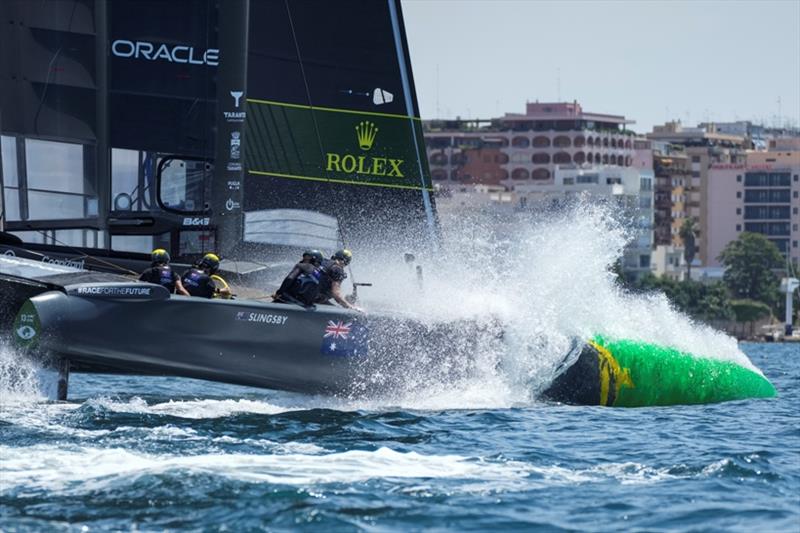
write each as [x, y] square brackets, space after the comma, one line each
[81, 321]
[137, 328]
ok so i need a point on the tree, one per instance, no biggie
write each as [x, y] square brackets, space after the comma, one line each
[749, 262]
[689, 232]
[701, 301]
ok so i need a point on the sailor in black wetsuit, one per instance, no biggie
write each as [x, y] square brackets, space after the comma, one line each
[198, 279]
[301, 285]
[331, 276]
[161, 273]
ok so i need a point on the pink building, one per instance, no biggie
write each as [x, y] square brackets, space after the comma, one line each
[761, 196]
[529, 147]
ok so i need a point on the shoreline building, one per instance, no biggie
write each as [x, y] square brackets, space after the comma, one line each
[551, 154]
[704, 147]
[760, 195]
[525, 148]
[671, 185]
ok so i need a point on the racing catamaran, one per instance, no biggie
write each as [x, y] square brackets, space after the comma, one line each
[254, 128]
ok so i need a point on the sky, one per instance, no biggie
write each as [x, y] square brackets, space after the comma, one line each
[649, 60]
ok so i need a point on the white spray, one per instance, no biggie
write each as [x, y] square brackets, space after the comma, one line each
[548, 281]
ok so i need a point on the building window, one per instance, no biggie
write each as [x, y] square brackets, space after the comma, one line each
[738, 194]
[520, 174]
[520, 142]
[768, 228]
[739, 178]
[738, 210]
[562, 158]
[767, 196]
[764, 212]
[520, 157]
[541, 158]
[794, 244]
[541, 174]
[562, 141]
[541, 142]
[738, 227]
[782, 244]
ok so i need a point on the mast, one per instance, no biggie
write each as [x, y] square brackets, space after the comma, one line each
[410, 111]
[228, 183]
[102, 150]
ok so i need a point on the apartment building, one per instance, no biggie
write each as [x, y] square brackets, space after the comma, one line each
[525, 148]
[704, 148]
[760, 196]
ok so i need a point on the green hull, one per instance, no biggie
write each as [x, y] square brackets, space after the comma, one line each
[627, 373]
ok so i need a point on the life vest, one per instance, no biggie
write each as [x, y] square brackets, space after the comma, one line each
[329, 272]
[161, 275]
[198, 283]
[305, 288]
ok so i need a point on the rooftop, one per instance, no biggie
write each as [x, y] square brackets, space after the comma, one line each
[675, 131]
[563, 111]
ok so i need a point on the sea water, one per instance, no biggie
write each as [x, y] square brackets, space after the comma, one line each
[477, 452]
[155, 454]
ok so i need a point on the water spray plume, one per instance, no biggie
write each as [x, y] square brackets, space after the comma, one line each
[548, 281]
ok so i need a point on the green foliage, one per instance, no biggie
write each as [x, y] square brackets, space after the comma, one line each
[750, 310]
[749, 261]
[698, 300]
[688, 233]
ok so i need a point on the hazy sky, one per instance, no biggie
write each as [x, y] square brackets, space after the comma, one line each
[648, 60]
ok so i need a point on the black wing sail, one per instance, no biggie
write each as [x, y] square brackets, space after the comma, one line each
[333, 136]
[306, 110]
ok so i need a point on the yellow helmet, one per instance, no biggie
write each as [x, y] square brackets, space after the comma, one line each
[344, 255]
[159, 256]
[210, 261]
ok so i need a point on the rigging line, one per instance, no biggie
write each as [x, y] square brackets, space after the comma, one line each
[316, 125]
[311, 106]
[83, 255]
[49, 70]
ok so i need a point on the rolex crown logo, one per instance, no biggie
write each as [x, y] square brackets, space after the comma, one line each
[366, 132]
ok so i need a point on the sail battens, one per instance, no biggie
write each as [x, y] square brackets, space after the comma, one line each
[332, 109]
[332, 180]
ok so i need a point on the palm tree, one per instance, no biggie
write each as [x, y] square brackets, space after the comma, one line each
[689, 232]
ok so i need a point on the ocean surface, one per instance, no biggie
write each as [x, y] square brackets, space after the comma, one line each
[155, 454]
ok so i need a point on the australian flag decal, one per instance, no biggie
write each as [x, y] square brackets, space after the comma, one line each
[345, 338]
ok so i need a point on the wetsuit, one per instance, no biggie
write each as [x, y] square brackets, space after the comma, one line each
[330, 272]
[161, 275]
[301, 285]
[198, 283]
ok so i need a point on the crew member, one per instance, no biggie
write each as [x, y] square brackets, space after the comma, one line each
[199, 281]
[331, 276]
[162, 274]
[312, 256]
[301, 285]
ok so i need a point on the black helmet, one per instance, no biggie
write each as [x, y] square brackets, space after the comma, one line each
[209, 261]
[343, 255]
[314, 255]
[159, 256]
